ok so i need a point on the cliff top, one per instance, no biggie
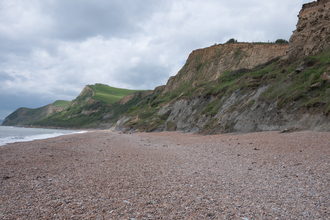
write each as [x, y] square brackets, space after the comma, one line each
[314, 6]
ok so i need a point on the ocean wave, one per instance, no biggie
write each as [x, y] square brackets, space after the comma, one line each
[14, 139]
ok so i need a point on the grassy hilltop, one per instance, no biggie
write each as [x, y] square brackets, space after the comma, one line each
[108, 95]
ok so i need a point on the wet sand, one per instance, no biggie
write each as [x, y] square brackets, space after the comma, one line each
[168, 175]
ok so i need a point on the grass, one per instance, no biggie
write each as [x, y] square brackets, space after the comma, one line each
[82, 114]
[291, 86]
[286, 86]
[209, 110]
[108, 95]
[61, 103]
[107, 98]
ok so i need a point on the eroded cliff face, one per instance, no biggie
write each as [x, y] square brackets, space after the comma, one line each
[312, 35]
[205, 65]
[240, 112]
[24, 116]
[85, 96]
[141, 94]
[224, 88]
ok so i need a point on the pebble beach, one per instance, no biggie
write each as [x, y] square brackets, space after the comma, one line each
[167, 175]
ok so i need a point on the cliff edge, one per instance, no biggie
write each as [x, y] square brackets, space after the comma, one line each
[242, 87]
[312, 35]
[205, 65]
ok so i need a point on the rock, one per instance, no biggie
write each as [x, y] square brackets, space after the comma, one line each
[289, 130]
[220, 62]
[316, 85]
[326, 76]
[301, 68]
[312, 34]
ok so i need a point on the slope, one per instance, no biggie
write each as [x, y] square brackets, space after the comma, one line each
[108, 95]
[212, 94]
[92, 99]
[95, 107]
[272, 96]
[26, 116]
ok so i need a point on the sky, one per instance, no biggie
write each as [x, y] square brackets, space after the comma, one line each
[51, 49]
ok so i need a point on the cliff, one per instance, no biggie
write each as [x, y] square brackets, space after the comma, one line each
[241, 87]
[312, 35]
[26, 116]
[205, 65]
[89, 107]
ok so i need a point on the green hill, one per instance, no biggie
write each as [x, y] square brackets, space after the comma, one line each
[27, 116]
[94, 105]
[61, 103]
[108, 95]
[90, 106]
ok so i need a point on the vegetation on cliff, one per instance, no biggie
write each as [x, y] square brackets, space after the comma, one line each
[108, 95]
[233, 87]
[89, 107]
[303, 84]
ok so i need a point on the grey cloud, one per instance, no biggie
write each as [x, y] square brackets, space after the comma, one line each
[4, 76]
[10, 103]
[80, 19]
[146, 76]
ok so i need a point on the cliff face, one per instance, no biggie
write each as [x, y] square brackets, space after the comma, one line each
[85, 96]
[205, 65]
[312, 35]
[224, 88]
[93, 106]
[25, 116]
[141, 95]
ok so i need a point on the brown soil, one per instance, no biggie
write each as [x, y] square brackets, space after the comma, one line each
[168, 175]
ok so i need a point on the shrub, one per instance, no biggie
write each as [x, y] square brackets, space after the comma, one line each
[281, 41]
[231, 40]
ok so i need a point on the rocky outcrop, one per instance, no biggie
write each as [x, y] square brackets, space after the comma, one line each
[129, 97]
[141, 94]
[159, 89]
[87, 90]
[205, 65]
[85, 96]
[263, 100]
[53, 109]
[24, 116]
[241, 112]
[312, 35]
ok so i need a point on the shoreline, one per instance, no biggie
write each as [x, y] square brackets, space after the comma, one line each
[14, 134]
[167, 175]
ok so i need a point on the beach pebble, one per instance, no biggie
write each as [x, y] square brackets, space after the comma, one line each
[194, 178]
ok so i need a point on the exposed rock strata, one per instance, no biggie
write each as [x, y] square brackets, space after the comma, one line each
[237, 114]
[23, 115]
[205, 65]
[141, 94]
[312, 35]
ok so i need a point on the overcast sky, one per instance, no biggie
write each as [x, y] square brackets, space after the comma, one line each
[51, 49]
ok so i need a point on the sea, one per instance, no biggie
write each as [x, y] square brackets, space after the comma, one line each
[10, 134]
